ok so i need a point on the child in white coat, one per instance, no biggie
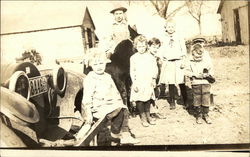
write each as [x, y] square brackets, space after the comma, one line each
[143, 72]
[101, 98]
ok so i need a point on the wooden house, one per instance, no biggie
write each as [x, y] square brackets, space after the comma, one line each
[57, 32]
[234, 19]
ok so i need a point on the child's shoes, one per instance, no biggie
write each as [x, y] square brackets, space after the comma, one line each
[126, 138]
[199, 120]
[172, 106]
[144, 120]
[205, 111]
[158, 116]
[152, 122]
[116, 136]
[149, 119]
[145, 124]
[198, 114]
[207, 119]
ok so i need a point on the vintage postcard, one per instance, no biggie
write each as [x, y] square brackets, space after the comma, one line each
[125, 75]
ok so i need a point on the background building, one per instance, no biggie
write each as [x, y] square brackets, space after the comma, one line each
[65, 36]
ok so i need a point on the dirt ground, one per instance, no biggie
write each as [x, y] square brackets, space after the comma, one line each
[229, 113]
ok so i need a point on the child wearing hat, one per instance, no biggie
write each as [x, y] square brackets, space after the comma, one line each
[101, 98]
[143, 72]
[201, 40]
[200, 71]
[173, 55]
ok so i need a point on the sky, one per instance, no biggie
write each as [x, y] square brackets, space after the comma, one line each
[28, 15]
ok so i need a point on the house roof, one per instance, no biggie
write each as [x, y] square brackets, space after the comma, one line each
[87, 20]
[220, 6]
[234, 4]
[29, 16]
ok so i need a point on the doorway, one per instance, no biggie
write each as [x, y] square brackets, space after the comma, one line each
[237, 26]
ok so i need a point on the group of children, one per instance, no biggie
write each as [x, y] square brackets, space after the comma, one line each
[169, 60]
[154, 62]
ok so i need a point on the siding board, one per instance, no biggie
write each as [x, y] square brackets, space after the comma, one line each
[227, 14]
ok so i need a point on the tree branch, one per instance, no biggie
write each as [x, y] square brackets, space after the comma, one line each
[155, 4]
[199, 10]
[162, 8]
[193, 15]
[194, 12]
[165, 8]
[174, 12]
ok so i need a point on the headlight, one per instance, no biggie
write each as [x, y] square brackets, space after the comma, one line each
[59, 80]
[19, 83]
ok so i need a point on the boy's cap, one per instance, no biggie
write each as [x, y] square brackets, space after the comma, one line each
[118, 7]
[198, 39]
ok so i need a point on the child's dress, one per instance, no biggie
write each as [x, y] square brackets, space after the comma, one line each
[143, 71]
[101, 93]
[172, 52]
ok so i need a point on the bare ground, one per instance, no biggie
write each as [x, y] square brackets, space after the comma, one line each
[229, 113]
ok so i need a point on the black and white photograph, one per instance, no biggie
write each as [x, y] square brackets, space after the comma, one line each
[162, 75]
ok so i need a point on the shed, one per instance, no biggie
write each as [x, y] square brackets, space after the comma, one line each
[234, 19]
[58, 31]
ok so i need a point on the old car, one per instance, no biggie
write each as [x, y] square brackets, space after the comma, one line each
[41, 106]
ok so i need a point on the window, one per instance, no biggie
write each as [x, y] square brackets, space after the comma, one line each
[90, 41]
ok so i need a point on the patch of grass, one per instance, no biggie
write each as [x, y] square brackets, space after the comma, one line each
[228, 51]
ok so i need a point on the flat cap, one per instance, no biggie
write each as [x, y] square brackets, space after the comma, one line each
[198, 39]
[118, 7]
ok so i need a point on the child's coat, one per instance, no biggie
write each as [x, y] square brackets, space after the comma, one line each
[143, 72]
[195, 68]
[101, 94]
